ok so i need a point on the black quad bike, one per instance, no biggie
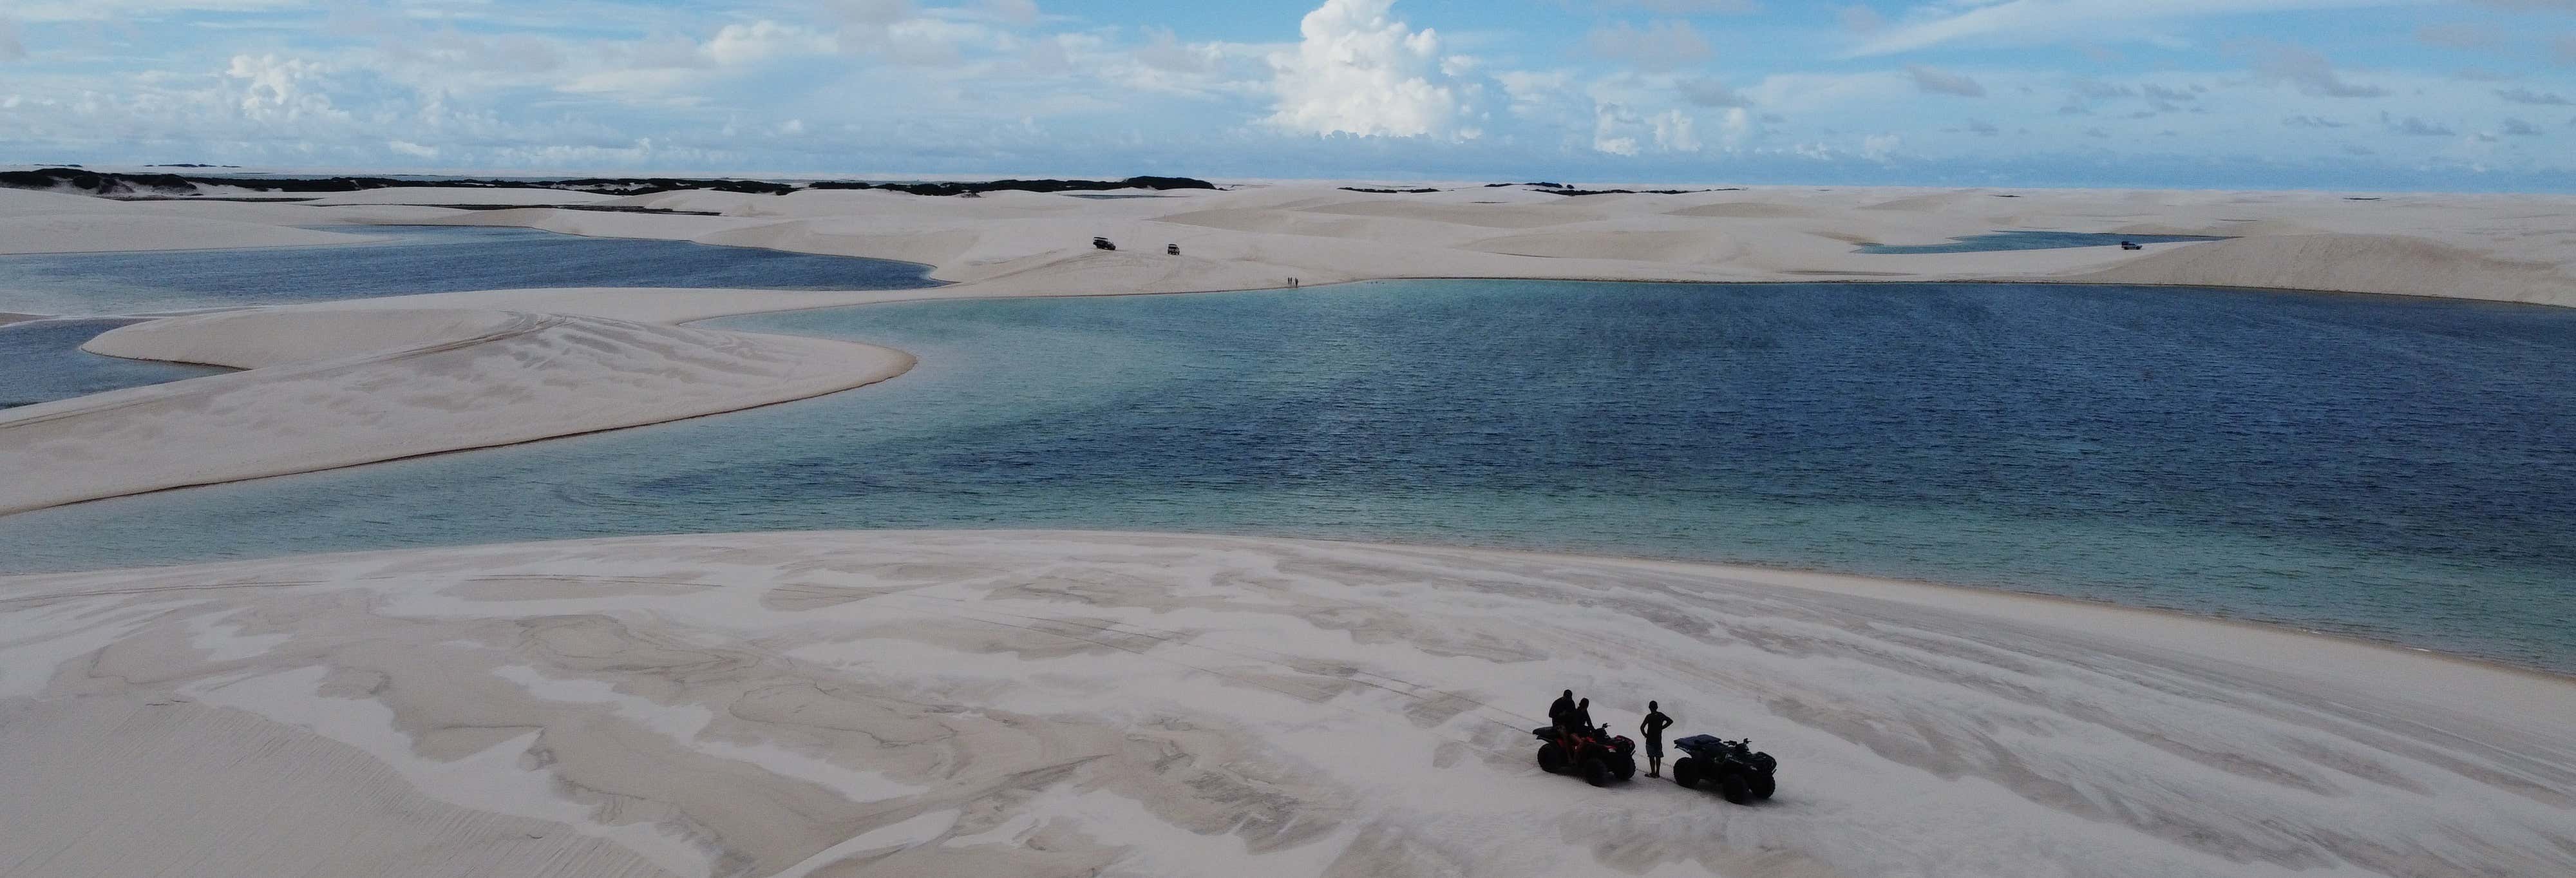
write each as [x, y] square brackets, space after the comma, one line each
[1733, 767]
[1593, 754]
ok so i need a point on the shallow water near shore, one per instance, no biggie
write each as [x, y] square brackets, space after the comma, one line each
[41, 361]
[2375, 466]
[2025, 240]
[417, 259]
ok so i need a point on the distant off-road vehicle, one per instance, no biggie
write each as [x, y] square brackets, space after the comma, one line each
[1733, 767]
[1592, 754]
[1103, 243]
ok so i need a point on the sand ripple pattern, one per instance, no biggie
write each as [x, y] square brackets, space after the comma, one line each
[331, 388]
[1049, 703]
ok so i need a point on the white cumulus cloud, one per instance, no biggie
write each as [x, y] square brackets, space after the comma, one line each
[276, 89]
[1618, 130]
[1608, 121]
[1658, 48]
[1877, 147]
[1360, 70]
[763, 40]
[1673, 132]
[1013, 11]
[2046, 21]
[115, 10]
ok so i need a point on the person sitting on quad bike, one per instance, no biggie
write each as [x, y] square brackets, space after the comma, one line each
[1563, 705]
[1740, 774]
[1592, 752]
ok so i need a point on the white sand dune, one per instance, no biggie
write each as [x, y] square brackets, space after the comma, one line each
[1526, 216]
[2359, 263]
[1746, 210]
[295, 214]
[460, 195]
[601, 224]
[1658, 246]
[37, 202]
[2515, 248]
[1032, 243]
[337, 387]
[57, 222]
[677, 305]
[101, 233]
[1044, 703]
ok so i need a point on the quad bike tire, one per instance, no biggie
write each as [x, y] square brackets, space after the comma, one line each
[1595, 773]
[1686, 772]
[1551, 758]
[1627, 769]
[1762, 785]
[1731, 785]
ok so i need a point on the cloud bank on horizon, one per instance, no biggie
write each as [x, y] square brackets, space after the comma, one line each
[2363, 94]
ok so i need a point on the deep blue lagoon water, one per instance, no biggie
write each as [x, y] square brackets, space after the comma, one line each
[2024, 240]
[416, 259]
[2386, 467]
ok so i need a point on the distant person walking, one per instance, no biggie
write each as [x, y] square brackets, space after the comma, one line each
[1653, 730]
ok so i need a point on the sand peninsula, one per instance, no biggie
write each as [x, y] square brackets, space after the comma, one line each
[1049, 703]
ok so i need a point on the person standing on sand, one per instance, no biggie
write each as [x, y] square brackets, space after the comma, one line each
[1653, 730]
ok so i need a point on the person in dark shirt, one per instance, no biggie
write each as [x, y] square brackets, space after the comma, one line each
[1653, 730]
[1581, 716]
[1556, 712]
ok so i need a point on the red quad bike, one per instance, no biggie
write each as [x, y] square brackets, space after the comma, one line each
[1593, 754]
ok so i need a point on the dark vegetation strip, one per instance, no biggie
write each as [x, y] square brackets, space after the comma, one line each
[145, 185]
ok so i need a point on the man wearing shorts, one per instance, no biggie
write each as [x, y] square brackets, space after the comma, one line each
[1653, 729]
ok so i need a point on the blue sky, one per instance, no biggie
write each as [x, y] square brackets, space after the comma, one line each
[2355, 94]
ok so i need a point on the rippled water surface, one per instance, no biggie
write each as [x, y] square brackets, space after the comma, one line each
[2388, 467]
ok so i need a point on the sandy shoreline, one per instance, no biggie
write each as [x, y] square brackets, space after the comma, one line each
[327, 388]
[2502, 247]
[1044, 703]
[1013, 244]
[2002, 599]
[406, 326]
[1039, 703]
